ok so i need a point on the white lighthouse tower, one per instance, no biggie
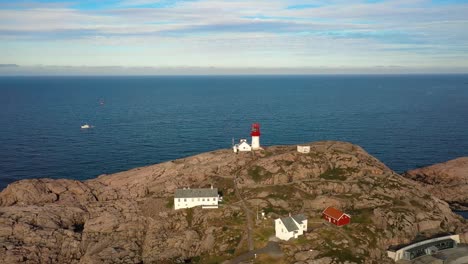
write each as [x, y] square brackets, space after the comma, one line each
[255, 136]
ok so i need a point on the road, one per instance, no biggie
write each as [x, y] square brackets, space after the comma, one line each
[272, 248]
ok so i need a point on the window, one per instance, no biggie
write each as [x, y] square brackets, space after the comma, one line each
[203, 199]
[178, 200]
[185, 199]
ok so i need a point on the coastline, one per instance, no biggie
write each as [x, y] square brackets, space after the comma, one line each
[464, 214]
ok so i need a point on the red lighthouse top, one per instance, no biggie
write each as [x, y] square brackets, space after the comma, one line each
[255, 130]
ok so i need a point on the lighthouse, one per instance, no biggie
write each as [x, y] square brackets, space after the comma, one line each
[255, 136]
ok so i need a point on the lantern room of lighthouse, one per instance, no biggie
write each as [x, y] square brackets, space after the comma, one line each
[255, 133]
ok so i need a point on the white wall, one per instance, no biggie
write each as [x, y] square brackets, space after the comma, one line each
[255, 143]
[180, 203]
[281, 232]
[397, 255]
[244, 147]
[302, 228]
[303, 149]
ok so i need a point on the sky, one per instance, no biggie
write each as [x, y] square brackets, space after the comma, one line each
[233, 36]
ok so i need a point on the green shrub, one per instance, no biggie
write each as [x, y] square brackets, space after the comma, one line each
[259, 173]
[363, 216]
[334, 174]
[342, 255]
[170, 202]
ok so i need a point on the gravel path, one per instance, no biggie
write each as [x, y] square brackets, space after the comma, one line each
[272, 248]
[249, 218]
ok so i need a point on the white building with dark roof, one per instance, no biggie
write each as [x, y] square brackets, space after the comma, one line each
[242, 146]
[188, 198]
[290, 227]
[425, 247]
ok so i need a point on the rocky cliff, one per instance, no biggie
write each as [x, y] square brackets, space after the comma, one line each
[128, 217]
[447, 181]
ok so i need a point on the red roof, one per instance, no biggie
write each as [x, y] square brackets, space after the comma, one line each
[333, 213]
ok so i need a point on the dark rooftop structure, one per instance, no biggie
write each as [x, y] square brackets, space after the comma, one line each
[299, 218]
[418, 239]
[290, 222]
[195, 193]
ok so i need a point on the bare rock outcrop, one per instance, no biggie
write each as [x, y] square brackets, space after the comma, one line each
[447, 181]
[128, 217]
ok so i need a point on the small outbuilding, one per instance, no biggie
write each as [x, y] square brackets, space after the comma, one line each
[188, 198]
[242, 146]
[336, 216]
[303, 149]
[290, 227]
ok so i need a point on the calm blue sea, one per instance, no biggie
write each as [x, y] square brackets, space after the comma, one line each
[405, 121]
[464, 214]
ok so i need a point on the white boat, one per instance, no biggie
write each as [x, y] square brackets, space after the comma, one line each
[85, 126]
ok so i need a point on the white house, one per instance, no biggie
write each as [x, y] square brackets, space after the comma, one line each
[290, 227]
[303, 149]
[242, 146]
[205, 197]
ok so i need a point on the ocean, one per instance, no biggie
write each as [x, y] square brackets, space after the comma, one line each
[464, 214]
[406, 121]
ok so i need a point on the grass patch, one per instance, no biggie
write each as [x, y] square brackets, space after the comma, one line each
[237, 218]
[231, 251]
[337, 252]
[342, 255]
[338, 174]
[315, 154]
[258, 173]
[261, 236]
[264, 233]
[189, 216]
[170, 202]
[276, 210]
[416, 204]
[279, 191]
[226, 189]
[287, 162]
[208, 259]
[363, 216]
[398, 202]
[301, 240]
[265, 259]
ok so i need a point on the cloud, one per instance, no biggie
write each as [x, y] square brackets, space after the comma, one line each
[304, 6]
[8, 66]
[295, 33]
[166, 71]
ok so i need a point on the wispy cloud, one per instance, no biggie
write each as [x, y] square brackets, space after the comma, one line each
[292, 33]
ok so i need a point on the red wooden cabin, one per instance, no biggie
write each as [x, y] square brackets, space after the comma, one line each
[336, 217]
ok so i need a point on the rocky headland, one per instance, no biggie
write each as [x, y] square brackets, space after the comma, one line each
[448, 181]
[128, 217]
